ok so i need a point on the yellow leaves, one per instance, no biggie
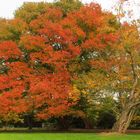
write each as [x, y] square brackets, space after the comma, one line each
[129, 36]
[84, 92]
[77, 91]
[4, 33]
[12, 116]
[106, 29]
[18, 25]
[12, 29]
[74, 94]
[124, 78]
[136, 118]
[90, 83]
[75, 113]
[30, 11]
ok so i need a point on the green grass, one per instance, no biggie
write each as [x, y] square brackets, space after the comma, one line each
[65, 136]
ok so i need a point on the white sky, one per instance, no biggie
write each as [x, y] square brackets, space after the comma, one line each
[7, 7]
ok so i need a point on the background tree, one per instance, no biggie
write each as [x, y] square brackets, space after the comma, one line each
[128, 82]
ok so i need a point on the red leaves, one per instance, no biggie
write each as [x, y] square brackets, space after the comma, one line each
[52, 90]
[94, 43]
[32, 42]
[9, 49]
[74, 50]
[18, 69]
[89, 16]
[51, 15]
[37, 77]
[4, 80]
[100, 41]
[54, 33]
[12, 102]
[110, 38]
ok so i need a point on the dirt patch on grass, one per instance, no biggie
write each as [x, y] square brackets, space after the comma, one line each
[111, 134]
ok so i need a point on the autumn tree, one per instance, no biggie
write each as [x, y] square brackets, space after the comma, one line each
[36, 68]
[97, 59]
[128, 77]
[127, 87]
[111, 54]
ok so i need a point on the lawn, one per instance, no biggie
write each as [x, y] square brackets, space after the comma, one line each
[65, 136]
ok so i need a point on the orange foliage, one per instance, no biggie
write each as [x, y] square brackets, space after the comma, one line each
[37, 78]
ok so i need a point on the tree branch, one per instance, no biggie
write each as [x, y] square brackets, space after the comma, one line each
[135, 77]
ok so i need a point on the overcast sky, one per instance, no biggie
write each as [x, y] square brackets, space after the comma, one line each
[7, 7]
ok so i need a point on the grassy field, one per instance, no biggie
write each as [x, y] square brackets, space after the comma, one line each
[66, 136]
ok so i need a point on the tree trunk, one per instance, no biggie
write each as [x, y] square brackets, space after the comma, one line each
[124, 120]
[87, 123]
[63, 123]
[5, 126]
[30, 122]
[129, 109]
